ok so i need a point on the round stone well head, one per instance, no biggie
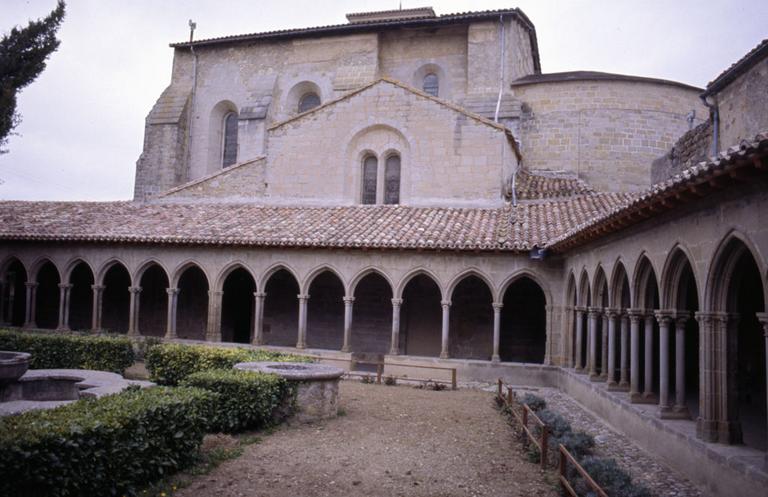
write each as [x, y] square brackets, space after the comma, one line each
[317, 386]
[13, 365]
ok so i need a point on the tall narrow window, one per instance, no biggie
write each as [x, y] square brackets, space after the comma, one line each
[370, 166]
[229, 147]
[308, 101]
[431, 84]
[392, 180]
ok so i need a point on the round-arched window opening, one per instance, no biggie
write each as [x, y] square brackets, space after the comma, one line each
[308, 101]
[431, 84]
[229, 142]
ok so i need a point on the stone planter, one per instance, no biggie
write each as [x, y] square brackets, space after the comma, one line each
[317, 386]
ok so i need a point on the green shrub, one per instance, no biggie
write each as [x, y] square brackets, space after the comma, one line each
[535, 402]
[105, 446]
[247, 399]
[71, 351]
[610, 477]
[170, 363]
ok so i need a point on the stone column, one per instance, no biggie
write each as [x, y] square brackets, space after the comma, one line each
[680, 411]
[444, 354]
[579, 364]
[763, 318]
[213, 330]
[349, 303]
[612, 315]
[2, 302]
[592, 340]
[64, 289]
[394, 347]
[133, 311]
[497, 306]
[635, 316]
[604, 345]
[98, 294]
[173, 300]
[302, 341]
[648, 396]
[624, 361]
[706, 423]
[665, 319]
[258, 318]
[29, 318]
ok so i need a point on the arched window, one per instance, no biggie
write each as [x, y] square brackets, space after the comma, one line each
[308, 101]
[392, 180]
[431, 84]
[370, 172]
[229, 146]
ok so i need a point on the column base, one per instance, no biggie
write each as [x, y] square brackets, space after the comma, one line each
[29, 326]
[730, 433]
[444, 355]
[495, 359]
[676, 412]
[392, 352]
[595, 377]
[257, 342]
[345, 349]
[65, 328]
[579, 370]
[170, 336]
[213, 338]
[706, 430]
[301, 345]
[618, 387]
[641, 398]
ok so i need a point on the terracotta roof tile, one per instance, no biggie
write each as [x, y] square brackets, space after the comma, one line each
[531, 185]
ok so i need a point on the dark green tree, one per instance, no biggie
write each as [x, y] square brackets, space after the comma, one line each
[23, 53]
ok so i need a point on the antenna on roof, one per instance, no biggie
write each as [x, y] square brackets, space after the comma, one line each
[192, 26]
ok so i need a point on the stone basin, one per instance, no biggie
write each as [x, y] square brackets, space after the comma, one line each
[13, 365]
[317, 386]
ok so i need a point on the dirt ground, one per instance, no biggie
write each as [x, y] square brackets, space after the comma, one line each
[390, 441]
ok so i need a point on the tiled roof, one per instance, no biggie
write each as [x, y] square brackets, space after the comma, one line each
[534, 185]
[375, 25]
[510, 228]
[738, 68]
[696, 180]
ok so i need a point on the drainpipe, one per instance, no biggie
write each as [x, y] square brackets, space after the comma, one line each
[192, 26]
[501, 67]
[715, 113]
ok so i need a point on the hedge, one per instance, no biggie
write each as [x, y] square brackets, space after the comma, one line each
[170, 363]
[107, 446]
[247, 399]
[71, 351]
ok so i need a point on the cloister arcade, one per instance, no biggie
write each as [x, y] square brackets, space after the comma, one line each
[694, 345]
[370, 312]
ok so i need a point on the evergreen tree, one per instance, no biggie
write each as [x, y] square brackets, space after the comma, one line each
[23, 53]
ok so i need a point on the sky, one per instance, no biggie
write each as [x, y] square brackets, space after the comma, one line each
[82, 126]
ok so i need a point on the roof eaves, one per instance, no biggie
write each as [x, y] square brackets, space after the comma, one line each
[738, 68]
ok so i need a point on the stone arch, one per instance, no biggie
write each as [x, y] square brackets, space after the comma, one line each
[570, 298]
[116, 280]
[154, 282]
[420, 314]
[261, 284]
[46, 309]
[38, 264]
[297, 92]
[601, 293]
[471, 316]
[365, 272]
[106, 266]
[417, 80]
[306, 283]
[216, 132]
[372, 320]
[379, 140]
[13, 303]
[193, 285]
[620, 289]
[645, 286]
[412, 274]
[472, 271]
[325, 308]
[523, 336]
[70, 266]
[730, 248]
[80, 275]
[281, 306]
[238, 285]
[229, 268]
[585, 293]
[671, 275]
[525, 273]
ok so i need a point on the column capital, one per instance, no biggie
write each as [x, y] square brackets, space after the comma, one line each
[215, 293]
[348, 300]
[395, 302]
[259, 295]
[681, 317]
[134, 289]
[98, 288]
[497, 305]
[172, 291]
[721, 317]
[580, 308]
[612, 312]
[664, 316]
[763, 318]
[65, 286]
[31, 284]
[594, 311]
[303, 296]
[445, 303]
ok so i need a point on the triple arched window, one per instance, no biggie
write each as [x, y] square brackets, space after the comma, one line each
[384, 188]
[229, 140]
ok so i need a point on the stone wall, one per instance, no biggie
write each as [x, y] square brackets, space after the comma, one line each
[608, 132]
[693, 147]
[241, 182]
[743, 106]
[448, 158]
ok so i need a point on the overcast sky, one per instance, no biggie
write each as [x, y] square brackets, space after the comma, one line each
[83, 119]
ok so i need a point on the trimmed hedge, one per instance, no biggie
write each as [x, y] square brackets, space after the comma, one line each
[107, 446]
[246, 400]
[71, 351]
[611, 478]
[170, 363]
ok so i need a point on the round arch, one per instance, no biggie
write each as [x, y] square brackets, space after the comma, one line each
[523, 336]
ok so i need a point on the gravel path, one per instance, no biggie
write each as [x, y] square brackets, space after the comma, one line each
[391, 441]
[644, 468]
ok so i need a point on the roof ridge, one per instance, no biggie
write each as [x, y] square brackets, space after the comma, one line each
[223, 171]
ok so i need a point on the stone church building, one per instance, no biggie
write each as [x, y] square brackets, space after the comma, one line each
[411, 187]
